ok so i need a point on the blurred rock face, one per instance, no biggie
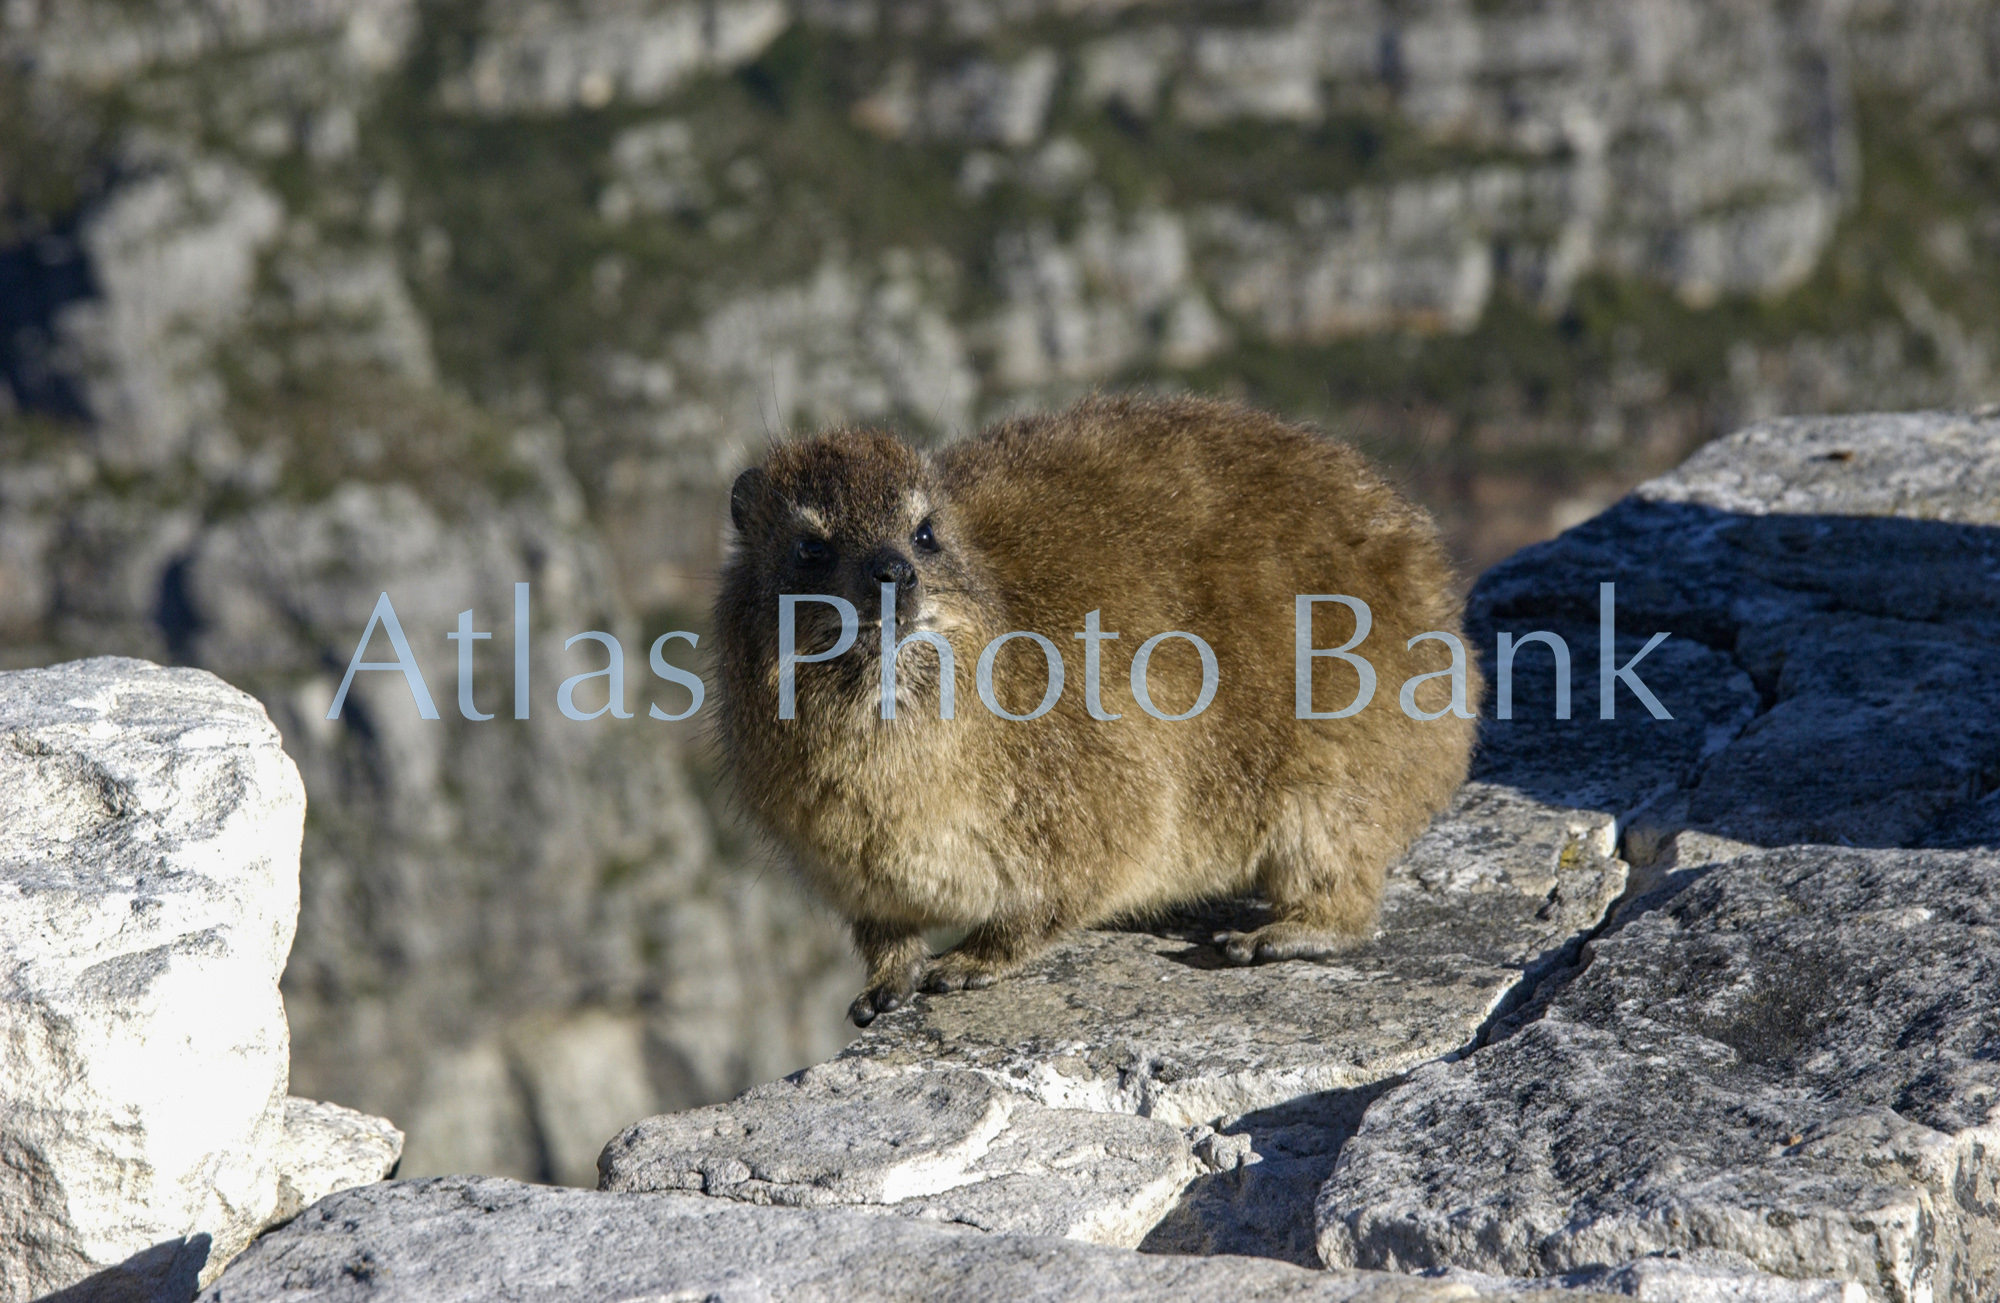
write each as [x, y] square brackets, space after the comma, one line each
[517, 939]
[300, 303]
[514, 933]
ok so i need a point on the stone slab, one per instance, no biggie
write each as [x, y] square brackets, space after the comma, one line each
[945, 1145]
[1840, 572]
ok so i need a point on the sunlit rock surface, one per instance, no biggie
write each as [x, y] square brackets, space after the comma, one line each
[1791, 1060]
[149, 838]
[948, 1146]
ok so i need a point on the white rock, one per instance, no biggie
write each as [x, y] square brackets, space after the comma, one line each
[327, 1148]
[149, 842]
[149, 877]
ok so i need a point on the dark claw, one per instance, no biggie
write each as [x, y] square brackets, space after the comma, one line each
[870, 1003]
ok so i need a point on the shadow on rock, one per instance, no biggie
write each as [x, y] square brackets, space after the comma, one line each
[1195, 927]
[168, 1272]
[1825, 674]
[1266, 1169]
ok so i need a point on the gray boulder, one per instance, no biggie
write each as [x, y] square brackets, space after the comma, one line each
[1791, 1060]
[1784, 1056]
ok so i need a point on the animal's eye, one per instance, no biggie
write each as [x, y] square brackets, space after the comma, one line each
[924, 538]
[813, 550]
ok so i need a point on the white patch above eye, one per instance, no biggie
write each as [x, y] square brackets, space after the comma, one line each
[917, 505]
[811, 518]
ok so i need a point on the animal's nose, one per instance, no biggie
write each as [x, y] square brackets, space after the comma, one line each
[893, 568]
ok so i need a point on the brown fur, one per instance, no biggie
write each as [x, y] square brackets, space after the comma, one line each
[1179, 514]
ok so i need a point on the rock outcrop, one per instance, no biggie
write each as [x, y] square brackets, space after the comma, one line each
[1784, 1054]
[945, 1145]
[149, 838]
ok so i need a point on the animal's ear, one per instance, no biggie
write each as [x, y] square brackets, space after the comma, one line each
[747, 498]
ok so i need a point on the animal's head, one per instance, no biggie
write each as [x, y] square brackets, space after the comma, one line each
[845, 514]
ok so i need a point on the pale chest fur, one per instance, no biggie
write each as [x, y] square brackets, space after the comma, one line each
[890, 825]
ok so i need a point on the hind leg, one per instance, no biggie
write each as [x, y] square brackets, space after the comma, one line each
[1321, 869]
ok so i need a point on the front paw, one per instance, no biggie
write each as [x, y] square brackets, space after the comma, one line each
[960, 972]
[879, 1000]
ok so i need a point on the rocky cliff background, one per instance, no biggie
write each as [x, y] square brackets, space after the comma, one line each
[301, 301]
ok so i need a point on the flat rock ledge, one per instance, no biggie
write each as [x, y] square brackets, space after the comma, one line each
[945, 1145]
[149, 860]
[1702, 1008]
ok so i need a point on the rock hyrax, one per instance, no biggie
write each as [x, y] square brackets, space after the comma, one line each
[1178, 515]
